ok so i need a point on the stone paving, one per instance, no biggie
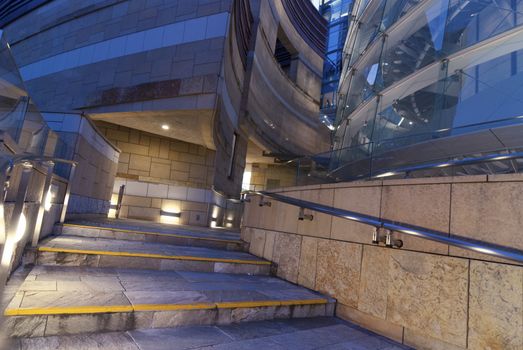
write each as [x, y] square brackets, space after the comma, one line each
[100, 252]
[299, 334]
[130, 224]
[75, 300]
[102, 244]
[47, 286]
[61, 300]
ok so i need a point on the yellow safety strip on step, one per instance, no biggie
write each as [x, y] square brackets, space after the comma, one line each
[173, 307]
[153, 256]
[69, 310]
[176, 235]
[243, 304]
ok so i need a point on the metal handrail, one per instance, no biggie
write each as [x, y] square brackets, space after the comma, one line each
[28, 161]
[411, 230]
[450, 163]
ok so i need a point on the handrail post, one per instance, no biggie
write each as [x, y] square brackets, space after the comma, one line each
[43, 200]
[67, 193]
[119, 201]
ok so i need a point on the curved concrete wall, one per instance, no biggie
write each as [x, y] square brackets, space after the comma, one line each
[282, 112]
[146, 64]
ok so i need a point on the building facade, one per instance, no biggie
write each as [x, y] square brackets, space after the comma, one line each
[189, 91]
[426, 81]
[337, 13]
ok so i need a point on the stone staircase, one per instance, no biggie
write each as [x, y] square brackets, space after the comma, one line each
[107, 275]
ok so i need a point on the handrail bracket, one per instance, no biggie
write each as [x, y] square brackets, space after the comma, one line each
[302, 216]
[386, 238]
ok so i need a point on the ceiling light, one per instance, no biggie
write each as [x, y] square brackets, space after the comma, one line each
[165, 127]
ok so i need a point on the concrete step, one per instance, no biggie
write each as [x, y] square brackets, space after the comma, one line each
[309, 333]
[100, 252]
[58, 300]
[134, 230]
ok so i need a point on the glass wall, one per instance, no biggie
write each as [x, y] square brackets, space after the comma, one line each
[336, 12]
[412, 77]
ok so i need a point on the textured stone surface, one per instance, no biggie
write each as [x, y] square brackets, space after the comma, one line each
[74, 324]
[257, 245]
[320, 226]
[421, 205]
[486, 211]
[375, 324]
[178, 338]
[286, 255]
[338, 270]
[163, 319]
[308, 261]
[365, 200]
[428, 293]
[106, 341]
[423, 342]
[270, 238]
[144, 287]
[285, 217]
[496, 306]
[19, 326]
[251, 215]
[309, 333]
[374, 281]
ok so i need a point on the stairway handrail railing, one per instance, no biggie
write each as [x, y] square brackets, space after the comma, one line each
[394, 226]
[28, 161]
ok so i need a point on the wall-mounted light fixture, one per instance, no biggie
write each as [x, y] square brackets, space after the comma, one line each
[11, 242]
[165, 127]
[48, 201]
[170, 216]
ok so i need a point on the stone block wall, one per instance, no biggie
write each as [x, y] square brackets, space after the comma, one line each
[97, 159]
[156, 158]
[146, 201]
[30, 210]
[269, 176]
[163, 174]
[427, 295]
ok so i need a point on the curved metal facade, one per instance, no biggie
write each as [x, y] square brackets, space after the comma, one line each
[429, 80]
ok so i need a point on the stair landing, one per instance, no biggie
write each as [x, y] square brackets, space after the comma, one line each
[136, 230]
[100, 252]
[58, 300]
[301, 334]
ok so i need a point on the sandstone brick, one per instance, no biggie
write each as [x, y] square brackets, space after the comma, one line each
[141, 163]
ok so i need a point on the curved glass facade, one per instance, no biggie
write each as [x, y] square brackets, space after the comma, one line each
[428, 80]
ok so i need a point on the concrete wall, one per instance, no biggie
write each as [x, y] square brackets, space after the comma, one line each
[427, 295]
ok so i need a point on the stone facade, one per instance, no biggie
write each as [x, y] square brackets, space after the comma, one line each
[97, 160]
[269, 176]
[171, 75]
[427, 295]
[152, 157]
